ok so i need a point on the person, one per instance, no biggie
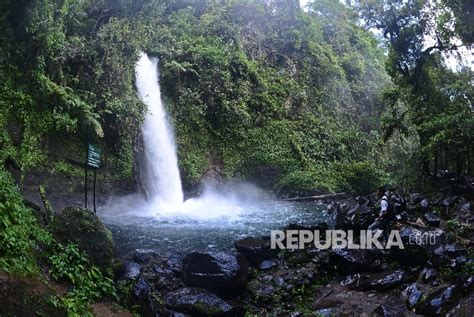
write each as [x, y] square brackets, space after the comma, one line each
[382, 219]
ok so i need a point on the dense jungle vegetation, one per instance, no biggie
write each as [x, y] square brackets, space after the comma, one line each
[310, 99]
[339, 97]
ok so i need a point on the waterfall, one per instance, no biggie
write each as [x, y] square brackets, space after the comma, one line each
[161, 174]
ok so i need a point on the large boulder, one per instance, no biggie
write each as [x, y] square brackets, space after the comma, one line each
[198, 302]
[439, 302]
[351, 261]
[379, 282]
[255, 250]
[83, 227]
[216, 271]
[418, 243]
[350, 215]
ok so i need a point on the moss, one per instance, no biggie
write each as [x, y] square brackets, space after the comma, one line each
[82, 227]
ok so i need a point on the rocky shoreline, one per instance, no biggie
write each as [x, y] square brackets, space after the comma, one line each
[422, 279]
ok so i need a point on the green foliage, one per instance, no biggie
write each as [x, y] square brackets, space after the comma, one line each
[24, 244]
[354, 177]
[247, 84]
[429, 98]
[20, 235]
[70, 264]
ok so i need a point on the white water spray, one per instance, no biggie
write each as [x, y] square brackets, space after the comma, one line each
[161, 174]
[162, 178]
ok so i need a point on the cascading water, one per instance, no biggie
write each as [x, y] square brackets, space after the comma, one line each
[215, 219]
[161, 177]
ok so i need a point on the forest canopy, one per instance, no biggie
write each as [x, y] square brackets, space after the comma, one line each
[303, 99]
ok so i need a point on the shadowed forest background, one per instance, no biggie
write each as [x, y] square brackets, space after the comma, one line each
[258, 90]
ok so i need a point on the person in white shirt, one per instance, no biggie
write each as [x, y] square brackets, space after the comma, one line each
[379, 223]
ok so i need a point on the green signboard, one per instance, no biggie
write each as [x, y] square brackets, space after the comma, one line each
[93, 156]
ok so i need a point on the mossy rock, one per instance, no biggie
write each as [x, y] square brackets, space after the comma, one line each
[27, 296]
[83, 227]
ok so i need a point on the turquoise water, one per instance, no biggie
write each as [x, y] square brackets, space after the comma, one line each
[215, 229]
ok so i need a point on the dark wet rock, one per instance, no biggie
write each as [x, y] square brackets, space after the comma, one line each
[267, 264]
[398, 202]
[432, 219]
[142, 293]
[175, 262]
[468, 283]
[415, 198]
[320, 256]
[424, 205]
[352, 216]
[466, 207]
[255, 250]
[413, 294]
[142, 257]
[263, 291]
[439, 302]
[83, 227]
[352, 280]
[128, 270]
[142, 288]
[435, 283]
[418, 243]
[393, 307]
[458, 263]
[378, 282]
[444, 254]
[428, 274]
[352, 260]
[216, 271]
[198, 302]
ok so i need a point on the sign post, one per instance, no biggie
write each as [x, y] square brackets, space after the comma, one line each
[92, 160]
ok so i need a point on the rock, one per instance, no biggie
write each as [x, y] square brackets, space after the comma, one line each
[432, 219]
[266, 265]
[351, 281]
[352, 216]
[141, 256]
[108, 309]
[419, 244]
[439, 302]
[378, 282]
[263, 291]
[83, 227]
[351, 260]
[413, 295]
[27, 296]
[428, 274]
[393, 307]
[142, 293]
[128, 270]
[445, 254]
[198, 302]
[415, 198]
[142, 288]
[216, 271]
[255, 250]
[459, 262]
[424, 205]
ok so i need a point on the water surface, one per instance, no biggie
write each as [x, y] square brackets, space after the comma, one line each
[202, 229]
